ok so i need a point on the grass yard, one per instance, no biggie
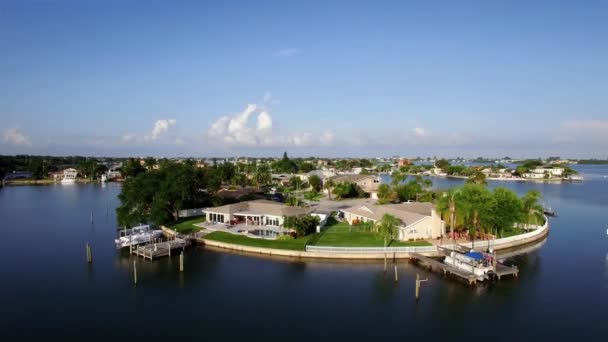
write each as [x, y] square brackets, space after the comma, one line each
[341, 234]
[298, 244]
[186, 225]
[512, 232]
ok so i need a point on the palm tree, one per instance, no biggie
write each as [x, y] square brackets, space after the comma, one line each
[447, 206]
[387, 227]
[262, 175]
[312, 196]
[532, 210]
[398, 177]
[329, 185]
[476, 203]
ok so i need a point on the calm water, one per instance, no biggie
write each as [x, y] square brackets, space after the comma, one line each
[48, 290]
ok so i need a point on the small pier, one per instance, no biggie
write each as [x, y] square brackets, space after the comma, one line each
[159, 249]
[437, 265]
[500, 270]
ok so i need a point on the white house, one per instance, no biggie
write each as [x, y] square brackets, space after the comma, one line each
[417, 220]
[257, 212]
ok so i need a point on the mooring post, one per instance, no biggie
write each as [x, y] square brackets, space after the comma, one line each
[89, 254]
[396, 274]
[134, 272]
[169, 245]
[418, 282]
[417, 286]
[384, 262]
[91, 216]
[181, 262]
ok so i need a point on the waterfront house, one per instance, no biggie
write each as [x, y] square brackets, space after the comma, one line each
[256, 212]
[69, 173]
[417, 220]
[367, 183]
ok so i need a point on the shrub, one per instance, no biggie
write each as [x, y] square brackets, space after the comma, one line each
[285, 237]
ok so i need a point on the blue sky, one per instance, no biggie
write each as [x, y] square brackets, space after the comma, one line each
[327, 78]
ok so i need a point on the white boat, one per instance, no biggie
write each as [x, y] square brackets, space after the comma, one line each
[137, 235]
[103, 178]
[472, 262]
[68, 180]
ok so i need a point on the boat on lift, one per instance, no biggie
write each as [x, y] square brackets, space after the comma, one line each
[136, 236]
[480, 264]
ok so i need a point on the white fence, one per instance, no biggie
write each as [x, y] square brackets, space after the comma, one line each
[191, 212]
[540, 230]
[363, 250]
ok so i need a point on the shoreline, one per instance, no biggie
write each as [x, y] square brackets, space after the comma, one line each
[402, 253]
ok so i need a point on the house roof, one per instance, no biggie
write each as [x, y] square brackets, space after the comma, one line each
[354, 178]
[407, 213]
[259, 207]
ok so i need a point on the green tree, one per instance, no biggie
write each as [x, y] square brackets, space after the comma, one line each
[443, 164]
[131, 168]
[387, 227]
[313, 196]
[150, 162]
[386, 194]
[329, 185]
[477, 204]
[315, 182]
[507, 209]
[262, 175]
[477, 178]
[533, 212]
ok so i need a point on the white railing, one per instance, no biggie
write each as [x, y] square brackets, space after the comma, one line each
[363, 250]
[539, 230]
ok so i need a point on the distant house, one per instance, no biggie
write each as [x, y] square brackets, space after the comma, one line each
[257, 212]
[404, 162]
[367, 183]
[544, 172]
[417, 220]
[69, 173]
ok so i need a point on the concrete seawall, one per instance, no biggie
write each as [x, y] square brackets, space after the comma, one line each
[498, 244]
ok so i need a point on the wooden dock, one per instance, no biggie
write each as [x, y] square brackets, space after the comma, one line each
[502, 270]
[160, 249]
[433, 264]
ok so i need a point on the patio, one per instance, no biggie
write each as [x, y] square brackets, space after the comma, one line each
[248, 229]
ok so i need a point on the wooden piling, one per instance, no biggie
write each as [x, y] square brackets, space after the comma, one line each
[134, 272]
[91, 216]
[181, 262]
[417, 286]
[89, 254]
[396, 274]
[384, 262]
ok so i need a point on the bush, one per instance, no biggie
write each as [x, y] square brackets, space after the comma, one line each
[285, 237]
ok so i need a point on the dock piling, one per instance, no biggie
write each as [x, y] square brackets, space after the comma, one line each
[89, 254]
[181, 262]
[91, 216]
[396, 274]
[134, 272]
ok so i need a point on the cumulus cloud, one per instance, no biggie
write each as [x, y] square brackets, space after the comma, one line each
[161, 127]
[15, 137]
[254, 126]
[287, 52]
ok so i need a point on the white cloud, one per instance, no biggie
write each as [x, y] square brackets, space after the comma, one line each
[160, 128]
[419, 132]
[327, 138]
[264, 122]
[15, 137]
[287, 52]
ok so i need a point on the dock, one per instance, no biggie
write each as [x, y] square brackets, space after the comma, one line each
[500, 270]
[151, 251]
[437, 265]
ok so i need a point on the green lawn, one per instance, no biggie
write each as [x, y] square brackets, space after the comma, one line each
[298, 244]
[341, 234]
[186, 225]
[512, 232]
